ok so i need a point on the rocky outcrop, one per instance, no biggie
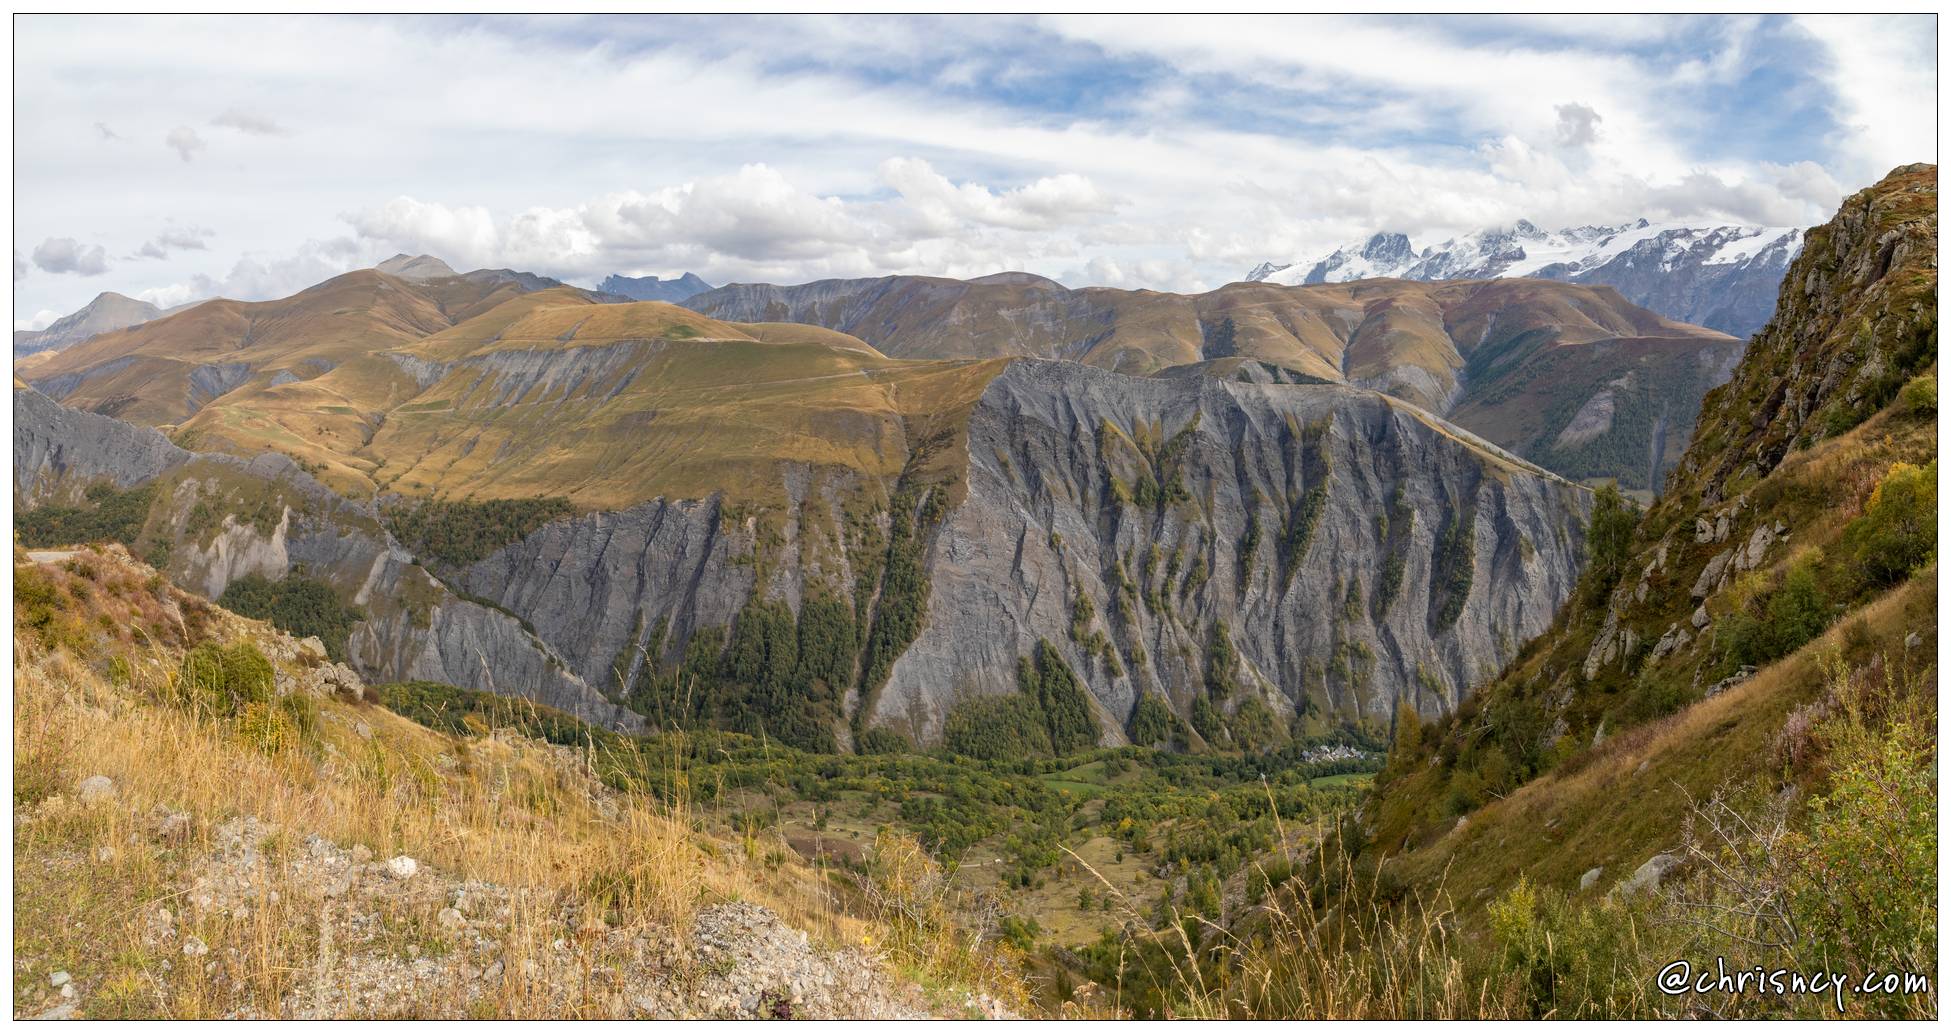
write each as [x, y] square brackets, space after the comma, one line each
[266, 516]
[58, 451]
[1305, 523]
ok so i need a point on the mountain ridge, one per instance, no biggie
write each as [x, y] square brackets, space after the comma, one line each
[1721, 277]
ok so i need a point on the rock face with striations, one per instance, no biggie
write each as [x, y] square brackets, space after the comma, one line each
[1313, 548]
[414, 629]
[1351, 550]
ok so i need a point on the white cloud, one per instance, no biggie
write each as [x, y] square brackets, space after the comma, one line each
[20, 267]
[248, 122]
[102, 130]
[1046, 204]
[584, 146]
[39, 322]
[67, 255]
[184, 141]
[183, 238]
[1882, 73]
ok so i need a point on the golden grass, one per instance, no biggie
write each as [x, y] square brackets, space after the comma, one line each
[1628, 798]
[515, 813]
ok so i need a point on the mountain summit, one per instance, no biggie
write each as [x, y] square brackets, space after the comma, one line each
[109, 311]
[652, 289]
[1722, 277]
[416, 267]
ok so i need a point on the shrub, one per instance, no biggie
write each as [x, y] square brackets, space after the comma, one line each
[1154, 725]
[883, 741]
[107, 515]
[1919, 397]
[224, 680]
[1607, 541]
[1898, 530]
[460, 533]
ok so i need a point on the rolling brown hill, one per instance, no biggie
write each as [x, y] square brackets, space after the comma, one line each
[1571, 376]
[163, 371]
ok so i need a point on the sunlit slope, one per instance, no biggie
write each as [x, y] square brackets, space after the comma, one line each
[164, 371]
[1569, 375]
[609, 405]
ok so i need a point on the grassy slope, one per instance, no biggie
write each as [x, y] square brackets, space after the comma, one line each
[1629, 798]
[95, 882]
[677, 405]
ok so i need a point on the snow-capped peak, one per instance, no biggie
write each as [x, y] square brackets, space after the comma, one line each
[1525, 250]
[1719, 276]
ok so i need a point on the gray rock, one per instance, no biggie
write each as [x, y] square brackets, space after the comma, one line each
[95, 788]
[59, 977]
[1591, 877]
[400, 867]
[1648, 876]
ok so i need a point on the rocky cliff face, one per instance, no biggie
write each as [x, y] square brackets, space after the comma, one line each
[1328, 549]
[218, 518]
[1352, 551]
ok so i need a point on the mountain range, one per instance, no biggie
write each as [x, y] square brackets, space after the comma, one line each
[651, 289]
[1267, 503]
[1573, 377]
[551, 494]
[1721, 277]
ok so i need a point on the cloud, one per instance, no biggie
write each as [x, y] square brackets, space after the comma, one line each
[255, 276]
[1183, 149]
[248, 122]
[39, 322]
[184, 141]
[1881, 73]
[66, 255]
[757, 223]
[185, 238]
[1045, 204]
[1578, 125]
[20, 267]
[105, 132]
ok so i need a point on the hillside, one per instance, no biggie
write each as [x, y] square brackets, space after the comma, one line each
[1784, 584]
[162, 372]
[1572, 377]
[213, 821]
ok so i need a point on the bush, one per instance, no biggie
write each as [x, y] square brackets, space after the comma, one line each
[1607, 542]
[460, 533]
[224, 680]
[107, 515]
[1154, 725]
[1919, 397]
[883, 741]
[1898, 530]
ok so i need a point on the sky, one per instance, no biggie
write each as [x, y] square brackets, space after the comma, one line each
[174, 159]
